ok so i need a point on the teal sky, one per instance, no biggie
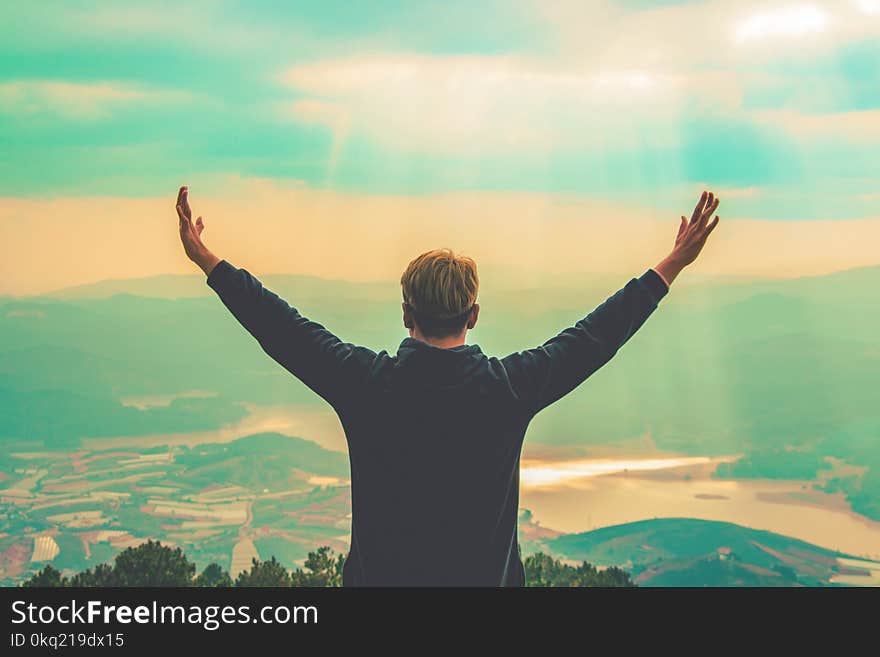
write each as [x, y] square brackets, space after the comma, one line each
[776, 106]
[132, 97]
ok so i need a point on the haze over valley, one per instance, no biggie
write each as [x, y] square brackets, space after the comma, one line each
[152, 415]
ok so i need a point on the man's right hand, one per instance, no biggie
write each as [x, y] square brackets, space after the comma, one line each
[691, 238]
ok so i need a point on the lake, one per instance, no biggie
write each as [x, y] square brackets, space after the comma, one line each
[588, 494]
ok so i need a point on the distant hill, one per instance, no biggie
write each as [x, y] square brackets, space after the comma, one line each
[179, 286]
[691, 552]
[264, 460]
[182, 286]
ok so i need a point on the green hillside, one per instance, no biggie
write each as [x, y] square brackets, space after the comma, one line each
[691, 552]
[266, 460]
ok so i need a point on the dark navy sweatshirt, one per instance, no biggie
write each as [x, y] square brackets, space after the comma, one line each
[434, 435]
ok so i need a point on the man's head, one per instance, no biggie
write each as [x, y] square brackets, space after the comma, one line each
[440, 297]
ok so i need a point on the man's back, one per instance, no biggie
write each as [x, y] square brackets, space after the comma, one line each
[434, 434]
[434, 445]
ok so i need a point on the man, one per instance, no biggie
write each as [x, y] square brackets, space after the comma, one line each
[435, 431]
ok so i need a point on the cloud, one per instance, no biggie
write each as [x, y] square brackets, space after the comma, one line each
[799, 32]
[467, 104]
[691, 35]
[198, 25]
[869, 7]
[732, 192]
[783, 22]
[76, 100]
[565, 95]
[615, 80]
[855, 126]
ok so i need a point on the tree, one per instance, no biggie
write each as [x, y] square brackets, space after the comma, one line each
[264, 573]
[213, 576]
[102, 575]
[322, 568]
[153, 564]
[544, 570]
[612, 576]
[48, 577]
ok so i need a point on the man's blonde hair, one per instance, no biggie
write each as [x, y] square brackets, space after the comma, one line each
[440, 285]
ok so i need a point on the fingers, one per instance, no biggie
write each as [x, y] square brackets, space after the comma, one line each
[682, 227]
[710, 200]
[183, 201]
[704, 209]
[183, 204]
[698, 210]
[711, 227]
[185, 222]
[711, 206]
[186, 209]
[200, 225]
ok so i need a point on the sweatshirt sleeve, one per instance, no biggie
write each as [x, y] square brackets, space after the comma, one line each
[542, 375]
[330, 367]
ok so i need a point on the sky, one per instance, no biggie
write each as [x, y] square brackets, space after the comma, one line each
[341, 139]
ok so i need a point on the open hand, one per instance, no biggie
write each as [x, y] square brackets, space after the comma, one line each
[191, 234]
[691, 238]
[692, 235]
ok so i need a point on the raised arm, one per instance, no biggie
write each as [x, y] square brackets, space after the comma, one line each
[326, 364]
[542, 375]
